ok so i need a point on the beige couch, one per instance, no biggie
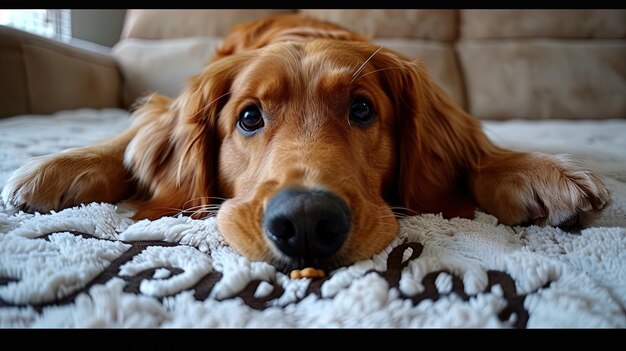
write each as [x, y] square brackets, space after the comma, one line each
[498, 64]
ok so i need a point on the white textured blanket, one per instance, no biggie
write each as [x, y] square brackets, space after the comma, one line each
[90, 266]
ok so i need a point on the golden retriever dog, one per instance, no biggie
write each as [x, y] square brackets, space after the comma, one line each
[308, 142]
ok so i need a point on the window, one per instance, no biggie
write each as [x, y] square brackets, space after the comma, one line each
[54, 24]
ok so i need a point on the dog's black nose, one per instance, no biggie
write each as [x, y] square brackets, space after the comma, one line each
[307, 223]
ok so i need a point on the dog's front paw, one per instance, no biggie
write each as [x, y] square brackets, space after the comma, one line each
[565, 193]
[41, 184]
[23, 183]
[546, 190]
[54, 182]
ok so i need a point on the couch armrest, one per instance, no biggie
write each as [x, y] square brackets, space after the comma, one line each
[42, 76]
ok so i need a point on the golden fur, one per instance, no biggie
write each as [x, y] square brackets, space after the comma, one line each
[422, 153]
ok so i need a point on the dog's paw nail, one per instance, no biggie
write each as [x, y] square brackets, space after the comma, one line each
[597, 202]
[586, 206]
[537, 212]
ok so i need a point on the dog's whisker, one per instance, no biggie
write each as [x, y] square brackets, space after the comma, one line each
[356, 73]
[211, 103]
[211, 209]
[404, 211]
[179, 211]
[385, 215]
[202, 212]
[380, 70]
[204, 198]
[398, 215]
[202, 208]
[209, 206]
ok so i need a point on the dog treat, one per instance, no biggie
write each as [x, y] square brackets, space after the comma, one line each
[308, 272]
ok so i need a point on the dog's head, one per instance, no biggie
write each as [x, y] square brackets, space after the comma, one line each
[310, 143]
[307, 153]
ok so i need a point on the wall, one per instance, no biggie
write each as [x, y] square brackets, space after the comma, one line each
[98, 26]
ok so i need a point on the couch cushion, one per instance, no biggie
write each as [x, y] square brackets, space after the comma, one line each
[161, 66]
[440, 61]
[543, 23]
[14, 91]
[545, 78]
[175, 60]
[422, 24]
[168, 24]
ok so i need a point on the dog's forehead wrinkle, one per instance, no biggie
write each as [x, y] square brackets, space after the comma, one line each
[320, 68]
[292, 77]
[270, 76]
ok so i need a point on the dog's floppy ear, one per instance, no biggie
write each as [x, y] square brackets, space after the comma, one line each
[174, 154]
[438, 143]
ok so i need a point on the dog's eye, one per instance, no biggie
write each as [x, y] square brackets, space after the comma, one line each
[361, 111]
[250, 119]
